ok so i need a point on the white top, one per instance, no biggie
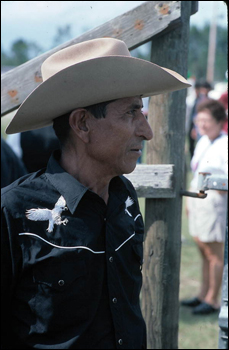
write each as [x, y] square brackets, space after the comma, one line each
[210, 156]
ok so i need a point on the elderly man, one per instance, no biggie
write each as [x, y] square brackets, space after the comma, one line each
[72, 233]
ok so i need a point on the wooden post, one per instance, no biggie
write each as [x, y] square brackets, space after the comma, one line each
[161, 268]
[212, 45]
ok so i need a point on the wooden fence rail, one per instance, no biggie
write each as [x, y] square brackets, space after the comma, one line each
[134, 27]
[153, 181]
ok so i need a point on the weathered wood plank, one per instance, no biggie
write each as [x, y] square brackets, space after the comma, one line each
[134, 27]
[162, 248]
[153, 181]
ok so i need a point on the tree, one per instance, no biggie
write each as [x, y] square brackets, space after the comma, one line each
[198, 52]
[63, 34]
[21, 52]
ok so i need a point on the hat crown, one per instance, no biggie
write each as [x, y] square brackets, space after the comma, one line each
[81, 52]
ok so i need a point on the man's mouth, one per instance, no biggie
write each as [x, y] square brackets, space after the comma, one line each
[137, 150]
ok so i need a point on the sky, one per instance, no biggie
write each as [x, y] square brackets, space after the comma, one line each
[38, 21]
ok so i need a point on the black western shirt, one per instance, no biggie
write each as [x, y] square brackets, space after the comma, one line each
[71, 265]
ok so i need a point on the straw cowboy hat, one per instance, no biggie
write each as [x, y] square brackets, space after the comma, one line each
[90, 72]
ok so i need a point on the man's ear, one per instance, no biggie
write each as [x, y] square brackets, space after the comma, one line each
[78, 121]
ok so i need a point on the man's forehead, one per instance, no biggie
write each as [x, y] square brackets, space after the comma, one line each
[128, 102]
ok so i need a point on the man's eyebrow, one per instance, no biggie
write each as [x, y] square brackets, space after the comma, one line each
[135, 105]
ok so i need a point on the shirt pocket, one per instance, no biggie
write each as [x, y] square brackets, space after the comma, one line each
[61, 294]
[59, 276]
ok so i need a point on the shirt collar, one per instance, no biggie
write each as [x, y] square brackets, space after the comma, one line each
[72, 190]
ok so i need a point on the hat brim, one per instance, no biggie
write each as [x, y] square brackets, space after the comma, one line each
[90, 82]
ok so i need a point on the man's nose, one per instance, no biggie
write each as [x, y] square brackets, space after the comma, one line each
[144, 129]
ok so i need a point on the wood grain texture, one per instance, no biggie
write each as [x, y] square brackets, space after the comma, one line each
[153, 181]
[134, 27]
[162, 247]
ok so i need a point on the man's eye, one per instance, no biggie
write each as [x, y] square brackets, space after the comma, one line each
[132, 112]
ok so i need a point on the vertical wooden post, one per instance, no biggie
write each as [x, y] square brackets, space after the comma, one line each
[212, 45]
[161, 268]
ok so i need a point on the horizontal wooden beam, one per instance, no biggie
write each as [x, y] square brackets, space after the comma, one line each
[135, 27]
[153, 181]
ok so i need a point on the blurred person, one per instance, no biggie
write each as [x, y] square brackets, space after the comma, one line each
[72, 234]
[11, 166]
[202, 89]
[224, 100]
[207, 218]
[34, 147]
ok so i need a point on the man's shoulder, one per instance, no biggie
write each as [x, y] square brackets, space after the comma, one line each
[16, 190]
[128, 184]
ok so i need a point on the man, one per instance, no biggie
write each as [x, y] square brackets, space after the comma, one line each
[72, 234]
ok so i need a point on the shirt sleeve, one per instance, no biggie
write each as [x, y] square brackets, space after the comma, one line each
[10, 264]
[6, 278]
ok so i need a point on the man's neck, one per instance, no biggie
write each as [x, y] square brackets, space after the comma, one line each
[85, 172]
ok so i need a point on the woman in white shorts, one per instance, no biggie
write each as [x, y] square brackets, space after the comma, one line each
[207, 217]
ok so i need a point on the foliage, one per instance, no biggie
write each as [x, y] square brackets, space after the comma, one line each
[198, 52]
[21, 51]
[63, 34]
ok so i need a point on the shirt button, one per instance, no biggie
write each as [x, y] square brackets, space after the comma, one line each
[111, 259]
[120, 341]
[61, 283]
[114, 300]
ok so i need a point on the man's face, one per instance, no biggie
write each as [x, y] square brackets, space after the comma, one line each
[116, 141]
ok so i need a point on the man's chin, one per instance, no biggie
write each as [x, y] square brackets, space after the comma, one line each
[130, 168]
